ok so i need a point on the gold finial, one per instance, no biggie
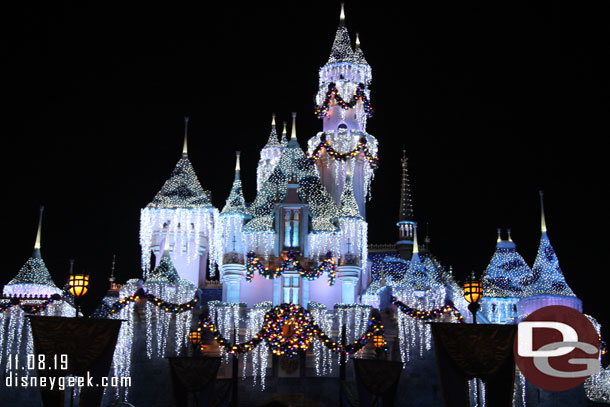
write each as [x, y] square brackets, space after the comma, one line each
[273, 119]
[237, 163]
[38, 234]
[186, 127]
[510, 239]
[542, 217]
[293, 135]
[357, 40]
[499, 235]
[342, 14]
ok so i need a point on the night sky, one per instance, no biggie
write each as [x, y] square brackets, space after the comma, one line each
[492, 103]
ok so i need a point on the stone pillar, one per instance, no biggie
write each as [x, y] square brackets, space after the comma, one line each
[231, 277]
[348, 275]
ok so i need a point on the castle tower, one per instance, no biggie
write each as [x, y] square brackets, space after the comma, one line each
[343, 105]
[406, 219]
[230, 238]
[547, 285]
[352, 243]
[33, 278]
[270, 155]
[182, 212]
[503, 282]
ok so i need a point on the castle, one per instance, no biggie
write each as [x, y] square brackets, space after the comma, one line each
[303, 240]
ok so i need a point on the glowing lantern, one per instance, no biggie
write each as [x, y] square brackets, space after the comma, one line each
[78, 284]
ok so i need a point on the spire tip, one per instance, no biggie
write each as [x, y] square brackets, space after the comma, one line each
[186, 127]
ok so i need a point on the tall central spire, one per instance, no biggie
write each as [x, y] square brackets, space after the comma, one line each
[406, 220]
[406, 204]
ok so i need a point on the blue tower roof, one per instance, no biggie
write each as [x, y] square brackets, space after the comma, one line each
[507, 273]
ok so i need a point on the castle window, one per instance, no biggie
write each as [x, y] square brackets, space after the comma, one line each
[291, 288]
[292, 221]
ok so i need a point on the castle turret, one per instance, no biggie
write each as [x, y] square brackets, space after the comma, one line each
[352, 243]
[185, 208]
[406, 220]
[344, 107]
[33, 278]
[504, 282]
[547, 285]
[229, 234]
[269, 157]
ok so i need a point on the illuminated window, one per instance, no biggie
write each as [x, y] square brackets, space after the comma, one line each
[292, 221]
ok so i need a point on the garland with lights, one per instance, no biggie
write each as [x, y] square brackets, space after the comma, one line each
[164, 305]
[29, 308]
[288, 330]
[327, 265]
[337, 156]
[322, 111]
[428, 315]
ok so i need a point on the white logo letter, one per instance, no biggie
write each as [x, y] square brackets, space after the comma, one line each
[525, 338]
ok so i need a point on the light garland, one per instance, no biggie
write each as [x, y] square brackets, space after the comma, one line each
[282, 321]
[253, 264]
[428, 315]
[373, 160]
[333, 93]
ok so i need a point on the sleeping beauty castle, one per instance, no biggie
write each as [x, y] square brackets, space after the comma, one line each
[301, 244]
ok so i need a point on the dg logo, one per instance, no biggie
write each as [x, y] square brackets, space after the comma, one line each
[557, 348]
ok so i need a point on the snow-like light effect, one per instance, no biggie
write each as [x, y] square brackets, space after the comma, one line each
[323, 355]
[344, 143]
[225, 316]
[415, 335]
[192, 232]
[229, 238]
[258, 358]
[355, 317]
[121, 360]
[16, 332]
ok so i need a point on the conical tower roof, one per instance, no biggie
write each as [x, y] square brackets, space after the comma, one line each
[507, 273]
[33, 278]
[358, 54]
[293, 167]
[341, 50]
[182, 189]
[418, 277]
[547, 279]
[348, 205]
[235, 202]
[273, 141]
[165, 272]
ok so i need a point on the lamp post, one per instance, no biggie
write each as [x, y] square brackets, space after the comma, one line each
[379, 343]
[195, 340]
[78, 286]
[473, 291]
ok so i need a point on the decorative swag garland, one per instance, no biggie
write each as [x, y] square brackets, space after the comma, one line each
[337, 156]
[164, 305]
[254, 264]
[428, 315]
[289, 330]
[28, 308]
[322, 111]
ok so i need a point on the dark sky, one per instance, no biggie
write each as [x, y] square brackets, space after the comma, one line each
[492, 102]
